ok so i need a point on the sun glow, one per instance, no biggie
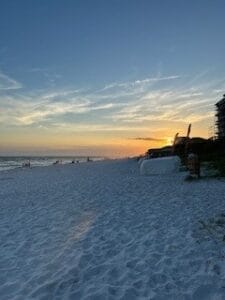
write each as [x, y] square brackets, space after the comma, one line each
[169, 140]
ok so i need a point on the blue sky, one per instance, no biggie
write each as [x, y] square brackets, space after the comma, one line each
[104, 72]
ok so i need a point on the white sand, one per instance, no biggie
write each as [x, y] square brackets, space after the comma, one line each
[102, 231]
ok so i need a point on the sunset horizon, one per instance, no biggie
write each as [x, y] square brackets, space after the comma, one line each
[107, 78]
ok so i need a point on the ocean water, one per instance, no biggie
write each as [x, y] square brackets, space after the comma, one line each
[7, 163]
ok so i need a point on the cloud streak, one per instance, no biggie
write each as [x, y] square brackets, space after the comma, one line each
[139, 82]
[7, 83]
[125, 106]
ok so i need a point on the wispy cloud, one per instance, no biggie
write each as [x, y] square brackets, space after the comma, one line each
[89, 127]
[50, 76]
[8, 83]
[118, 106]
[37, 69]
[51, 110]
[193, 103]
[138, 82]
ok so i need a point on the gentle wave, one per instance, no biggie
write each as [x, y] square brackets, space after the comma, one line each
[8, 163]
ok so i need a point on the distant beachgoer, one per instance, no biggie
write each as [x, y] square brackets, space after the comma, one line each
[26, 164]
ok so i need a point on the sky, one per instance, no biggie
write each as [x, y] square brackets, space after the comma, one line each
[108, 77]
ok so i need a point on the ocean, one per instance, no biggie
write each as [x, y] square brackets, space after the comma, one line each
[13, 162]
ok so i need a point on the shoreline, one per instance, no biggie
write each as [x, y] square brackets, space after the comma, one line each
[48, 162]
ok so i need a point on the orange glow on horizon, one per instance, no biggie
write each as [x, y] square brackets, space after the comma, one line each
[110, 143]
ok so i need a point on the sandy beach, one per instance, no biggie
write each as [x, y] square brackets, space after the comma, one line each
[100, 230]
